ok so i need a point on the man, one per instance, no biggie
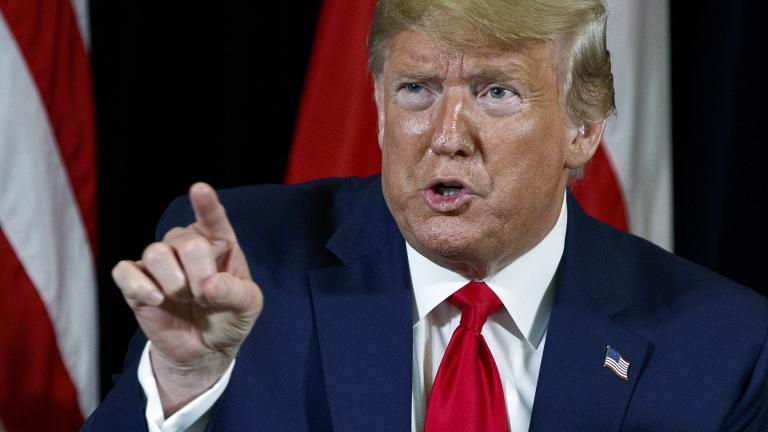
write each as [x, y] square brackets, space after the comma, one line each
[373, 289]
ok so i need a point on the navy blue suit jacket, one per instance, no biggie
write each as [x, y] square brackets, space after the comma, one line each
[332, 348]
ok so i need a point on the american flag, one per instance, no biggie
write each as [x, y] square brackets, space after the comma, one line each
[615, 362]
[48, 327]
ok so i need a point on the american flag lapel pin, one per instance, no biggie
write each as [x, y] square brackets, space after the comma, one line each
[616, 363]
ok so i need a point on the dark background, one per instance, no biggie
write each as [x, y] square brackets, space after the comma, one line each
[187, 93]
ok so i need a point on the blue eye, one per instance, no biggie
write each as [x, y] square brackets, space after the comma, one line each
[499, 99]
[499, 93]
[414, 97]
[413, 88]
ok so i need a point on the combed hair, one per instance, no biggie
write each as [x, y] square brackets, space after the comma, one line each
[576, 27]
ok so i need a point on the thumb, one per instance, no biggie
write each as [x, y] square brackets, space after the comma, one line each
[226, 291]
[210, 217]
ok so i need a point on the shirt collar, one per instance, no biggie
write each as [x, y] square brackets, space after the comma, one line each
[523, 286]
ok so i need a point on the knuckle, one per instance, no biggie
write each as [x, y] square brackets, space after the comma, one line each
[132, 288]
[195, 246]
[118, 269]
[134, 285]
[258, 295]
[156, 252]
[177, 279]
[121, 270]
[171, 284]
[175, 232]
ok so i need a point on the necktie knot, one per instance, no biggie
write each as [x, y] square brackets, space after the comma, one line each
[477, 302]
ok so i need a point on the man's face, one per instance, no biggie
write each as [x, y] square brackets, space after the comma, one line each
[476, 148]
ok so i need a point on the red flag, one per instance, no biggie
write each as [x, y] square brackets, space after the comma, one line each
[336, 128]
[599, 191]
[48, 341]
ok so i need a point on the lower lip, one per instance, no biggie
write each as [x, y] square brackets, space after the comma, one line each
[445, 203]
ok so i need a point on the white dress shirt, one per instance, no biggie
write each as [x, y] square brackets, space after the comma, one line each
[193, 417]
[515, 335]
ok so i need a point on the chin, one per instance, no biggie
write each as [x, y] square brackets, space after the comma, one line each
[446, 236]
[457, 255]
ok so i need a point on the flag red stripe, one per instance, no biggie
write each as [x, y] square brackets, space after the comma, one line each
[36, 392]
[49, 39]
[336, 126]
[599, 191]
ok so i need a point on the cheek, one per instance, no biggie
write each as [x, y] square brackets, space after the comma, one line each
[417, 127]
[405, 128]
[405, 140]
[521, 155]
[509, 146]
[401, 146]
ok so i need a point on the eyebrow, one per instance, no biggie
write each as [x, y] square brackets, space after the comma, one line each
[489, 73]
[413, 75]
[484, 73]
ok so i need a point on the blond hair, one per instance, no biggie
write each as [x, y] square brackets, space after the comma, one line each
[576, 27]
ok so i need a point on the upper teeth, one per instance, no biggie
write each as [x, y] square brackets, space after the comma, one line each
[448, 190]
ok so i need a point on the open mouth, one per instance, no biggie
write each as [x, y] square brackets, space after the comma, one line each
[446, 195]
[447, 188]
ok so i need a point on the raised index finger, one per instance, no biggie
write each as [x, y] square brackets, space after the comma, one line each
[211, 218]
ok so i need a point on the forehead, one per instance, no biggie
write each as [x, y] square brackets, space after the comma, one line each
[415, 52]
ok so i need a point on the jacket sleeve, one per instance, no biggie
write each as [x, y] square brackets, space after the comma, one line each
[123, 408]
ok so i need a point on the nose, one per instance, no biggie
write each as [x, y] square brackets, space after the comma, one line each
[451, 136]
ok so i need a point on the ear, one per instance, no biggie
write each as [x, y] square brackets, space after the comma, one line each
[378, 97]
[586, 138]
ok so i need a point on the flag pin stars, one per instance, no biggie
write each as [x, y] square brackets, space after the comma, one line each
[615, 362]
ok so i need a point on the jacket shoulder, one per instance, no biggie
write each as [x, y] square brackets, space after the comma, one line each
[641, 281]
[283, 229]
[320, 199]
[670, 279]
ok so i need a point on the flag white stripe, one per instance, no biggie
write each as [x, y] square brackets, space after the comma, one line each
[639, 139]
[613, 367]
[617, 369]
[83, 18]
[40, 218]
[620, 366]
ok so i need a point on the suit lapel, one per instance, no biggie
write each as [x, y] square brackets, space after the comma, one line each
[575, 391]
[362, 309]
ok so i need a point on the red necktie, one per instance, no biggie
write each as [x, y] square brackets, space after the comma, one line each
[467, 394]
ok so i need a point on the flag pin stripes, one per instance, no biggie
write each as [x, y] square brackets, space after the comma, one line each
[616, 363]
